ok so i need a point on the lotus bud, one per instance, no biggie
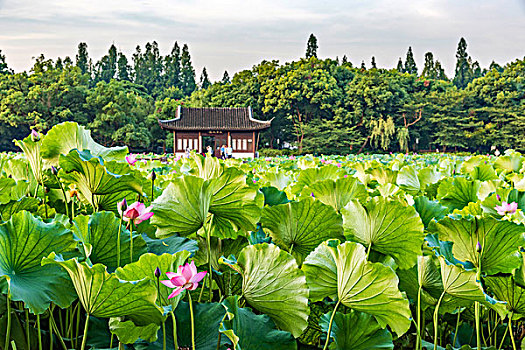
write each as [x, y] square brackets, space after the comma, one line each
[122, 206]
[498, 197]
[478, 247]
[35, 136]
[54, 170]
[152, 176]
[157, 272]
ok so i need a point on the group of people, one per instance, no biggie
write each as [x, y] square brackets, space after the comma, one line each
[224, 152]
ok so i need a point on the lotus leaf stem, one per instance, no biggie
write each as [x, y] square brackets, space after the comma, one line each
[8, 327]
[456, 331]
[208, 247]
[174, 322]
[84, 338]
[192, 322]
[436, 316]
[54, 328]
[118, 241]
[509, 324]
[28, 338]
[39, 332]
[330, 325]
[418, 312]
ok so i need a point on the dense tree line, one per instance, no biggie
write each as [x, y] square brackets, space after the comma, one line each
[320, 105]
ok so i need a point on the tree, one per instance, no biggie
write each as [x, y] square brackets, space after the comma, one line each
[463, 71]
[440, 72]
[363, 65]
[344, 60]
[429, 70]
[374, 62]
[187, 72]
[172, 68]
[311, 47]
[4, 69]
[83, 58]
[400, 68]
[226, 78]
[107, 66]
[205, 80]
[410, 64]
[123, 68]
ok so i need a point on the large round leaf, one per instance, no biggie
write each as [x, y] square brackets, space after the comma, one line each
[248, 331]
[32, 152]
[342, 272]
[504, 288]
[457, 193]
[274, 285]
[356, 331]
[64, 137]
[98, 234]
[24, 241]
[182, 208]
[500, 241]
[105, 295]
[235, 206]
[429, 210]
[93, 178]
[299, 227]
[339, 192]
[386, 226]
[309, 176]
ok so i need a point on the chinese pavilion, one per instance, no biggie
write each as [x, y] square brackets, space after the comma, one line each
[200, 128]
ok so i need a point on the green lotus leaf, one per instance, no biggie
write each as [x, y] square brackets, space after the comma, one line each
[170, 245]
[277, 179]
[512, 162]
[247, 330]
[505, 288]
[311, 175]
[342, 272]
[460, 283]
[357, 331]
[64, 137]
[32, 152]
[6, 185]
[14, 206]
[98, 235]
[145, 268]
[93, 178]
[24, 241]
[458, 193]
[483, 172]
[500, 241]
[205, 167]
[429, 210]
[273, 196]
[425, 275]
[274, 285]
[413, 181]
[385, 226]
[105, 295]
[383, 176]
[299, 227]
[339, 192]
[207, 322]
[235, 206]
[182, 208]
[128, 332]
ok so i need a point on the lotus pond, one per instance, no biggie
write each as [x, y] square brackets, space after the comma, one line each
[101, 249]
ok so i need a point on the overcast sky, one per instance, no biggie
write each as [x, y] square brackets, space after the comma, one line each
[236, 34]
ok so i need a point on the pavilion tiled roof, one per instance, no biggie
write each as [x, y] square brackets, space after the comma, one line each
[214, 118]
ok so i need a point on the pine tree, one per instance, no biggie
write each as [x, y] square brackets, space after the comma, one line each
[311, 47]
[205, 79]
[476, 70]
[496, 66]
[462, 74]
[123, 67]
[400, 68]
[59, 64]
[226, 78]
[440, 72]
[68, 62]
[374, 62]
[107, 66]
[410, 64]
[363, 65]
[344, 60]
[83, 58]
[3, 65]
[429, 70]
[187, 72]
[172, 67]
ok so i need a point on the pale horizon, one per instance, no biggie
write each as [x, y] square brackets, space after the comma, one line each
[235, 35]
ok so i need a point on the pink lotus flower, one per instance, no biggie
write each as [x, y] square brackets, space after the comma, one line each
[131, 159]
[506, 208]
[136, 212]
[35, 136]
[185, 278]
